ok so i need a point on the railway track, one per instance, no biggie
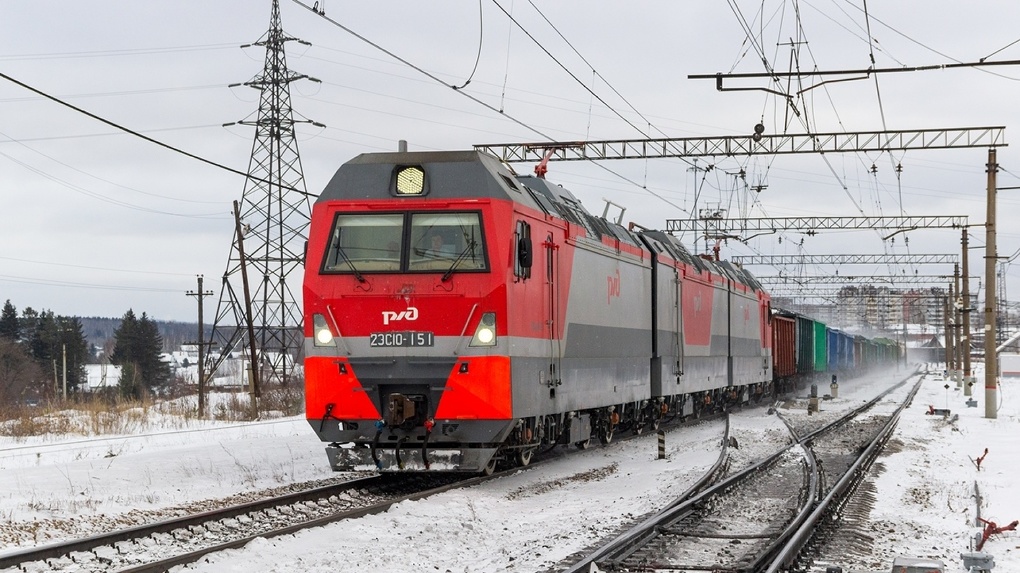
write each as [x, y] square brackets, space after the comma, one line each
[160, 546]
[760, 518]
[166, 544]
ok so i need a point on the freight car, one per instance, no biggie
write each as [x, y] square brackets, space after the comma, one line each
[784, 351]
[806, 350]
[458, 315]
[840, 351]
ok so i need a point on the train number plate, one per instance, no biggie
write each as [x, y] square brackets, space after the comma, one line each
[405, 339]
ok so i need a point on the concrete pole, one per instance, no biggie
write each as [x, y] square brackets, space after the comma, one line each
[953, 362]
[957, 343]
[991, 360]
[968, 378]
[947, 330]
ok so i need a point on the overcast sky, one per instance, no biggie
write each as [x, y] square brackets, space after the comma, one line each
[95, 221]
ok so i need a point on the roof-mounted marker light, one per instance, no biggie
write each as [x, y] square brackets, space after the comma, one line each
[410, 181]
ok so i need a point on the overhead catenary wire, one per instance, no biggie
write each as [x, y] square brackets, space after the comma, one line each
[478, 56]
[484, 104]
[574, 76]
[595, 73]
[797, 73]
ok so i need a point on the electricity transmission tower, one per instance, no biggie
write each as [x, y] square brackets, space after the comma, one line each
[271, 221]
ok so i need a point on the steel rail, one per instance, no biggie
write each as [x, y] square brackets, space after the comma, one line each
[639, 535]
[60, 549]
[785, 556]
[642, 533]
[185, 558]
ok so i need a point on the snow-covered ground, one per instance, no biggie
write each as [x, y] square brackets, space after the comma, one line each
[527, 521]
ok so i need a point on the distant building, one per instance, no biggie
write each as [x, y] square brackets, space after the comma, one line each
[100, 376]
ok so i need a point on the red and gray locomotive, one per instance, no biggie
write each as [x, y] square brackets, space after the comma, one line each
[458, 315]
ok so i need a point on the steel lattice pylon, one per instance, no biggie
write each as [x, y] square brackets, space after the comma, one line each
[273, 217]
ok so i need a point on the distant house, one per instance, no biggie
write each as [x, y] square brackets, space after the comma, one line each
[101, 376]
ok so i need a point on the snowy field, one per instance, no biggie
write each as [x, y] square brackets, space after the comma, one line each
[528, 521]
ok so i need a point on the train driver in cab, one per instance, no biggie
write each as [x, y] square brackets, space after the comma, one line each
[439, 247]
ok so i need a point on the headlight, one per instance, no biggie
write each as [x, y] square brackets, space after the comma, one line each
[485, 334]
[320, 331]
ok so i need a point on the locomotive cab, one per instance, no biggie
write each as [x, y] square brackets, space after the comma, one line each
[406, 350]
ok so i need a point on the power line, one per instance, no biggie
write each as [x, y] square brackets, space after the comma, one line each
[46, 282]
[133, 132]
[107, 53]
[67, 265]
[122, 93]
[100, 196]
[57, 161]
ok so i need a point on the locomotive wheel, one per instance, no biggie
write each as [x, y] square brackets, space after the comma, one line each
[606, 433]
[523, 456]
[639, 427]
[583, 445]
[490, 466]
[655, 423]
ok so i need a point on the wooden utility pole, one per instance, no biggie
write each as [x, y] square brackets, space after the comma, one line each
[63, 347]
[253, 370]
[991, 359]
[968, 378]
[200, 294]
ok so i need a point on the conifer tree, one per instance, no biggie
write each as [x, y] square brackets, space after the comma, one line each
[10, 327]
[155, 372]
[29, 321]
[79, 353]
[137, 349]
[43, 339]
[56, 341]
[124, 339]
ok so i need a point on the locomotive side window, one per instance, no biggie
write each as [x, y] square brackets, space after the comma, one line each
[446, 242]
[360, 243]
[524, 250]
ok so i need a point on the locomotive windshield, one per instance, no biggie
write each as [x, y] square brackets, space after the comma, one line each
[361, 243]
[401, 242]
[445, 241]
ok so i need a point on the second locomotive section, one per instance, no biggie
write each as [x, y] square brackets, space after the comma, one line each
[458, 315]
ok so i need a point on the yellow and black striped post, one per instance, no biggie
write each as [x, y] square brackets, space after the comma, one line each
[662, 444]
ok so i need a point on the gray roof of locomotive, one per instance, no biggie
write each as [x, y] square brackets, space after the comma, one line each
[472, 174]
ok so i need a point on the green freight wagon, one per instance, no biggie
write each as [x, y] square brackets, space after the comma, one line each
[821, 361]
